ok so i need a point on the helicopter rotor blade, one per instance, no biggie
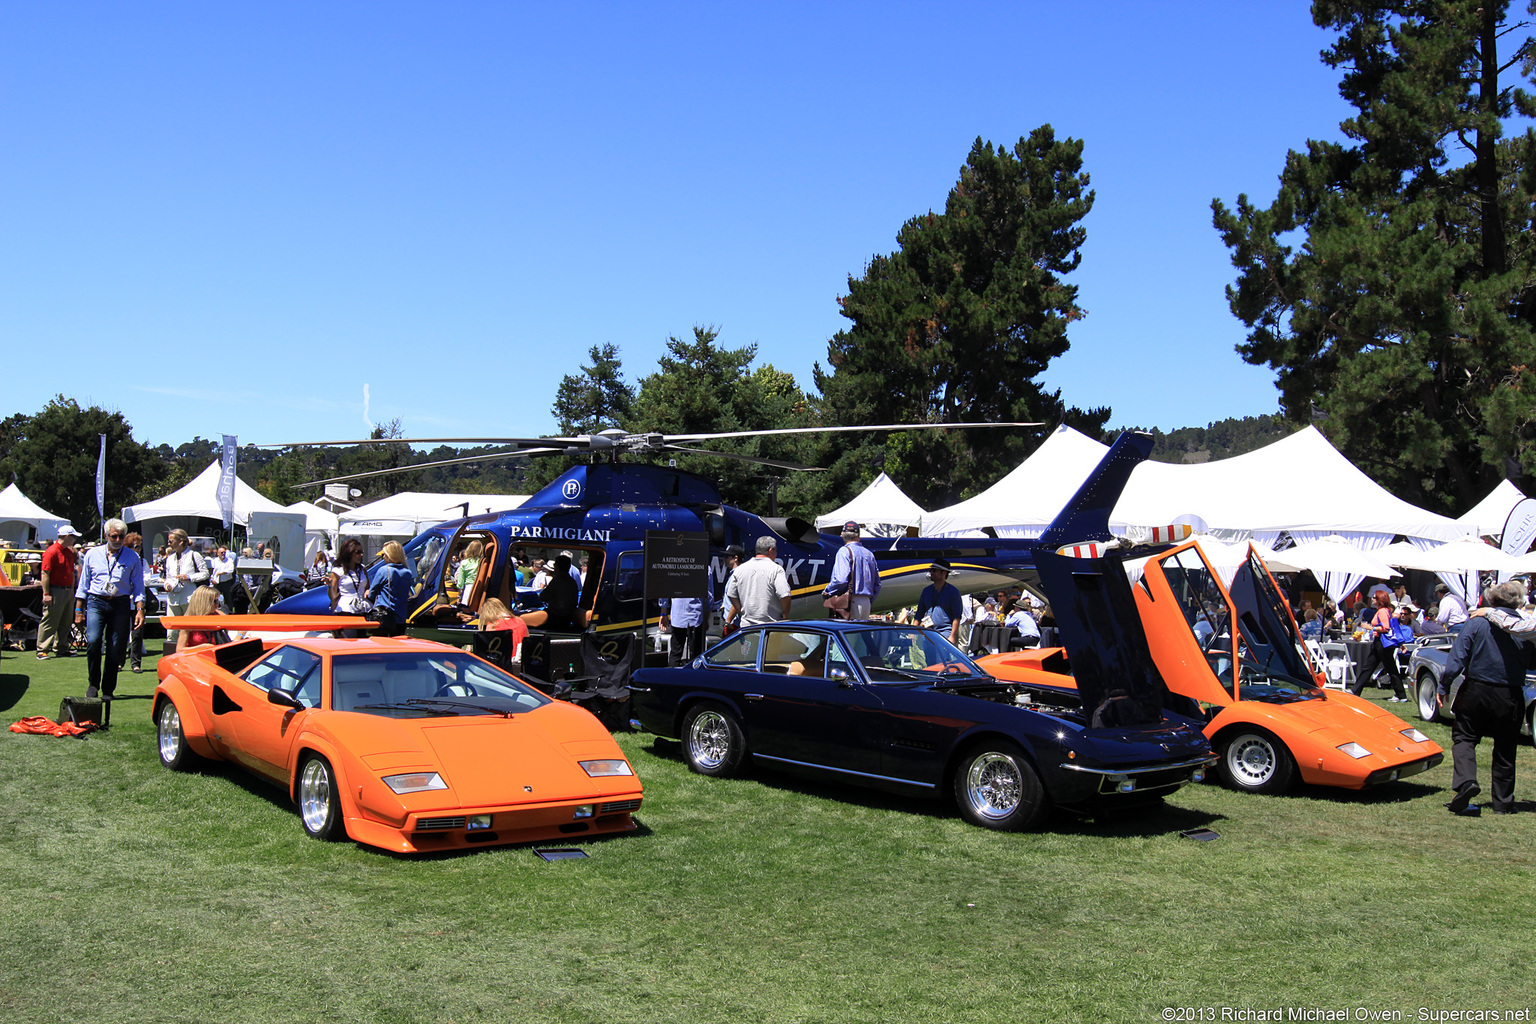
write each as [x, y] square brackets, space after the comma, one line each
[428, 465]
[777, 463]
[844, 430]
[521, 441]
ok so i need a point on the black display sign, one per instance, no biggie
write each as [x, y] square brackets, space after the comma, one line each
[676, 564]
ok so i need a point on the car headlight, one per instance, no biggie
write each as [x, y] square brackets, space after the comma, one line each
[415, 782]
[608, 766]
[1415, 735]
[1354, 750]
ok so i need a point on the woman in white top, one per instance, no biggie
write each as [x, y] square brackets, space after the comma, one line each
[348, 583]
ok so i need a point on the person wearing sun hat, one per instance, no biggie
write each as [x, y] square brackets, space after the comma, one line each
[856, 571]
[939, 605]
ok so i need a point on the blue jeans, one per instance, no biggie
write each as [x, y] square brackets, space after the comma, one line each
[108, 623]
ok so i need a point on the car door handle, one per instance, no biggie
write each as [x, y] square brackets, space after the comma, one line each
[752, 696]
[639, 689]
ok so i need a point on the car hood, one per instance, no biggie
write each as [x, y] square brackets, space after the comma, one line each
[490, 760]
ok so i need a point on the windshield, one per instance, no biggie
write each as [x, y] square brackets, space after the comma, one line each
[409, 684]
[901, 654]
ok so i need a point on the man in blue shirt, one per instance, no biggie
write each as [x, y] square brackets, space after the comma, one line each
[940, 604]
[111, 587]
[855, 567]
[687, 620]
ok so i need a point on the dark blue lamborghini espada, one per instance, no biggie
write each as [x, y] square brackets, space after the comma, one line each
[900, 708]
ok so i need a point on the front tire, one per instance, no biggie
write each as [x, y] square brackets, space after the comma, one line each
[1429, 708]
[996, 788]
[1256, 762]
[713, 741]
[171, 739]
[319, 805]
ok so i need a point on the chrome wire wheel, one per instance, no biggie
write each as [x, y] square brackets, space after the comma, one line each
[168, 732]
[994, 785]
[709, 740]
[316, 796]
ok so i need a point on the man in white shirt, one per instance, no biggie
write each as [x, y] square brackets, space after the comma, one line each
[223, 565]
[758, 592]
[1453, 610]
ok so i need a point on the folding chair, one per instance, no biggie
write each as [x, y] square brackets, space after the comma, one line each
[1333, 658]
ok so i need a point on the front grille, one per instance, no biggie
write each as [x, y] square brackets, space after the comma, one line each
[438, 824]
[619, 806]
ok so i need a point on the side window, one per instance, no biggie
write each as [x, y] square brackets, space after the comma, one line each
[629, 583]
[740, 651]
[288, 668]
[795, 653]
[837, 660]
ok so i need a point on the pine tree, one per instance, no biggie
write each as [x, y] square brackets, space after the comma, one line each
[1391, 281]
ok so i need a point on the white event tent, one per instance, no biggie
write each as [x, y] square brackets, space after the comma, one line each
[882, 509]
[1488, 516]
[1023, 503]
[1300, 485]
[406, 514]
[266, 523]
[20, 516]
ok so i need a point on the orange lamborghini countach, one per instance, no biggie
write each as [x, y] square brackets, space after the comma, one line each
[1234, 659]
[403, 744]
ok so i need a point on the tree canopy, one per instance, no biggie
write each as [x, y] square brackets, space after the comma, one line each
[52, 457]
[701, 387]
[1391, 282]
[957, 324]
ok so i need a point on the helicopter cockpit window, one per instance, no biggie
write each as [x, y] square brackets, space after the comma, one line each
[422, 556]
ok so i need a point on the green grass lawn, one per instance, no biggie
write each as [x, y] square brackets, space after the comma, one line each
[136, 894]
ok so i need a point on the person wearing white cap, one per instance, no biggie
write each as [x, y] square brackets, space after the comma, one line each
[856, 573]
[58, 571]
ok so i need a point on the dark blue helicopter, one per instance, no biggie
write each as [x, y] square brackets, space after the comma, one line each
[599, 514]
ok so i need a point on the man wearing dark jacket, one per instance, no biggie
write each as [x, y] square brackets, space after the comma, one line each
[1491, 702]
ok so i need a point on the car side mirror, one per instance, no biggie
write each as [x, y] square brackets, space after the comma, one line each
[285, 698]
[839, 676]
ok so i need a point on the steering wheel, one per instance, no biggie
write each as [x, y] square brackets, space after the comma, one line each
[457, 690]
[954, 668]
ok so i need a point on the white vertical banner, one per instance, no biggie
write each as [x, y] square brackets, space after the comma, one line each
[1519, 529]
[101, 482]
[227, 481]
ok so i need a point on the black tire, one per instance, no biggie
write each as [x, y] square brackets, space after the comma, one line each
[713, 742]
[996, 787]
[171, 739]
[1254, 761]
[1429, 708]
[1530, 720]
[319, 803]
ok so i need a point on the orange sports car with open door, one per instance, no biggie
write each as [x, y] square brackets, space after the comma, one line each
[1234, 659]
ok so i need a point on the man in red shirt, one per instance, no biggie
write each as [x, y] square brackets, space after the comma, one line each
[58, 569]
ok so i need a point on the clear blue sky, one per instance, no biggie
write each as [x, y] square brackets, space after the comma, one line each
[226, 218]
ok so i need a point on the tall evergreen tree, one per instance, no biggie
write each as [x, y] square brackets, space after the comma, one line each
[1405, 313]
[595, 399]
[702, 387]
[957, 324]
